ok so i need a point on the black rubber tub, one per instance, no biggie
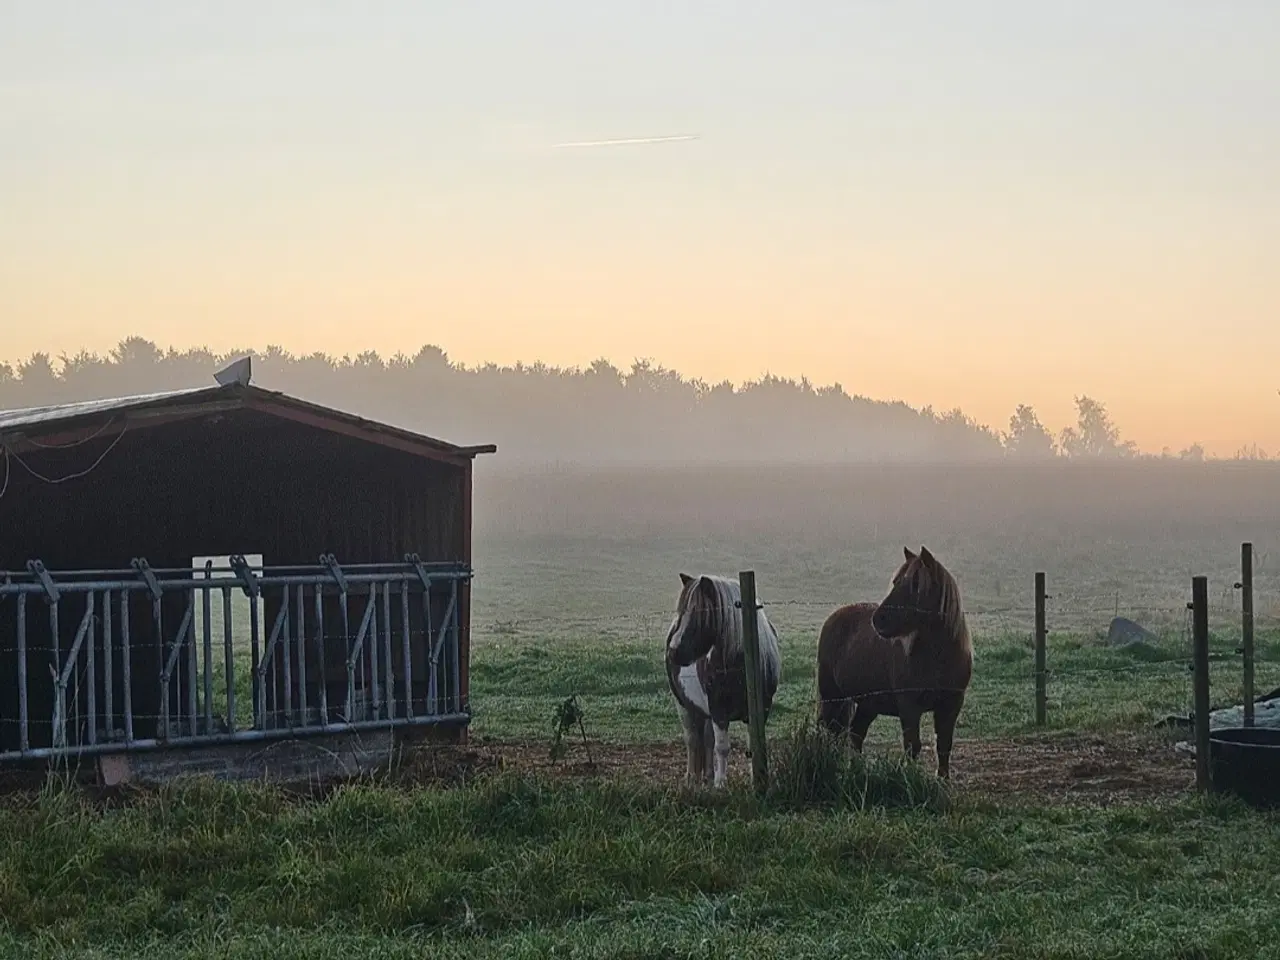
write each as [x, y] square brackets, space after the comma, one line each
[1246, 761]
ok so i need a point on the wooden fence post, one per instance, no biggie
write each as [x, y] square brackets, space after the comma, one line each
[1041, 641]
[755, 688]
[1246, 627]
[1200, 666]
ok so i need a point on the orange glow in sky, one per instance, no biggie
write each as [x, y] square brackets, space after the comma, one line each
[1010, 204]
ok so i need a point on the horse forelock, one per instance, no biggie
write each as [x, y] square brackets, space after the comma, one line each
[899, 573]
[722, 613]
[719, 612]
[694, 609]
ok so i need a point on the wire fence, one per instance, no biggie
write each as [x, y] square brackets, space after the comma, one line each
[1112, 658]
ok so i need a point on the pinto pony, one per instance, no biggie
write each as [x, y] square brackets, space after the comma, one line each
[706, 668]
[904, 657]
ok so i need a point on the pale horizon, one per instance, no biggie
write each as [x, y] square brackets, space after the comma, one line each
[977, 209]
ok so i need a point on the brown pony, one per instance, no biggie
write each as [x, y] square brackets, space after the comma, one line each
[904, 657]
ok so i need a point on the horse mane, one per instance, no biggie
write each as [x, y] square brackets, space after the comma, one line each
[951, 609]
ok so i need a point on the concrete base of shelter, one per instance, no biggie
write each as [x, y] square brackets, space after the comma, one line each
[313, 759]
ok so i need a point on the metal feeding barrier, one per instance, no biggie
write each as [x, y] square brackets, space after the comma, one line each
[126, 680]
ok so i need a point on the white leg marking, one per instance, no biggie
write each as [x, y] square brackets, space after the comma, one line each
[692, 744]
[722, 755]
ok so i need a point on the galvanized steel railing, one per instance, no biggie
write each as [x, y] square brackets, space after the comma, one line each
[408, 613]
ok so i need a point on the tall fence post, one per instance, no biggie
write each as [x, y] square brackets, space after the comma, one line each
[1246, 627]
[1041, 642]
[1200, 666]
[755, 691]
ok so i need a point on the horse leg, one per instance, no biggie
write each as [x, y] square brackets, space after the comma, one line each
[859, 726]
[708, 749]
[909, 714]
[721, 777]
[834, 715]
[695, 753]
[945, 716]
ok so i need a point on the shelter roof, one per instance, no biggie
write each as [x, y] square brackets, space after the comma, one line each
[232, 391]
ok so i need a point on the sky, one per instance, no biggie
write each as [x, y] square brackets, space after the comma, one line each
[970, 204]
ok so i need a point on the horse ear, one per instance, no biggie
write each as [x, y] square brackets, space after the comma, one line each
[908, 554]
[685, 579]
[927, 558]
[707, 587]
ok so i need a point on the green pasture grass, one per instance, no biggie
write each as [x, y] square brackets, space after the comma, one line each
[843, 858]
[518, 677]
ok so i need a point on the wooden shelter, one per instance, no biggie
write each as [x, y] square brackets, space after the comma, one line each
[364, 530]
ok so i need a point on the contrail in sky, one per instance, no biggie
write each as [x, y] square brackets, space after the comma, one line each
[626, 141]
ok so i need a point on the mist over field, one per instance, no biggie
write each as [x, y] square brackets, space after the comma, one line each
[1128, 534]
[606, 480]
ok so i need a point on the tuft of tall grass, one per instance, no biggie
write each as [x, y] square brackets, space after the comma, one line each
[812, 768]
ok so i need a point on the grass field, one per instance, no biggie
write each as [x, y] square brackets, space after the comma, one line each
[519, 868]
[575, 582]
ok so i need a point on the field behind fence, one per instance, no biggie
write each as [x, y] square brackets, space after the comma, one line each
[529, 656]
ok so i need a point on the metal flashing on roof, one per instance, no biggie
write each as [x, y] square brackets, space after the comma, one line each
[233, 391]
[28, 417]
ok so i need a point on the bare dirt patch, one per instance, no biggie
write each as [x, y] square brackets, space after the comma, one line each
[1100, 770]
[1060, 770]
[1065, 769]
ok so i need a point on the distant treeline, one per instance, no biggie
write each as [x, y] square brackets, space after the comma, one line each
[599, 414]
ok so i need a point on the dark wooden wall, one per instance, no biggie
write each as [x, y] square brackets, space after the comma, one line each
[236, 482]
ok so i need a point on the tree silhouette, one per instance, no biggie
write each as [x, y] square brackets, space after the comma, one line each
[1094, 435]
[597, 414]
[1194, 453]
[1028, 438]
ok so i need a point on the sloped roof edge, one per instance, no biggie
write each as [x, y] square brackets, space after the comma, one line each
[235, 394]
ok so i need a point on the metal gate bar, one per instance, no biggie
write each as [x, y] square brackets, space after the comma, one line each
[70, 706]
